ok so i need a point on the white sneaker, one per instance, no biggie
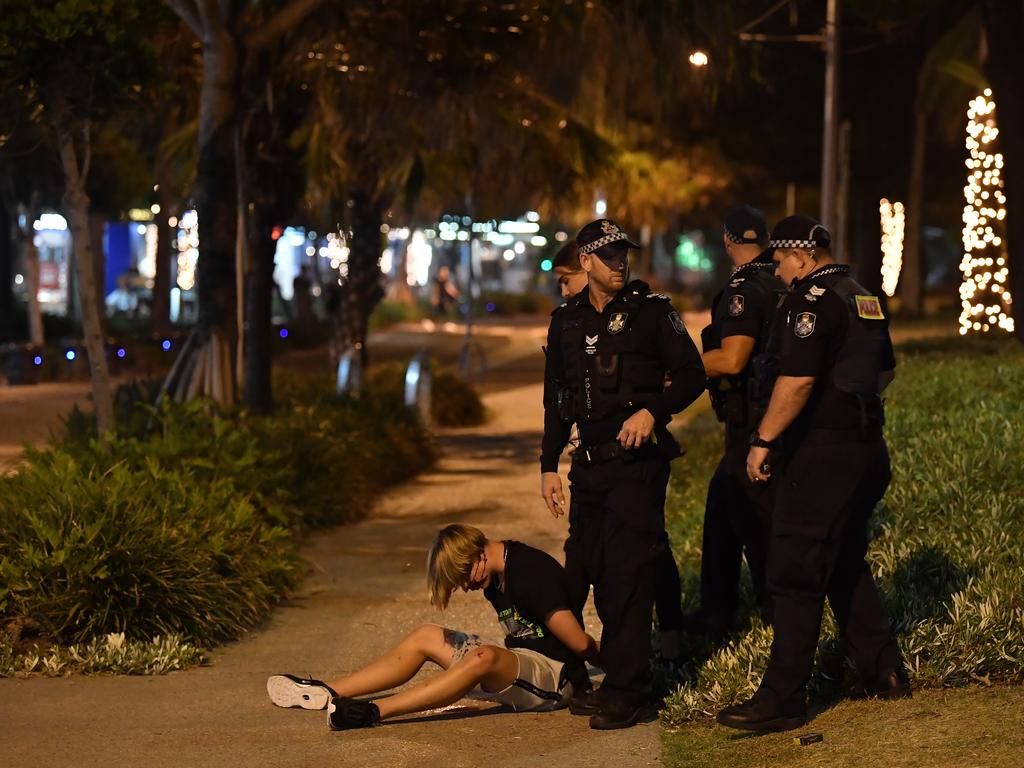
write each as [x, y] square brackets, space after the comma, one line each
[292, 691]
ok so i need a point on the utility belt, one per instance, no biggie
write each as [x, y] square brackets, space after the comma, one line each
[732, 405]
[599, 454]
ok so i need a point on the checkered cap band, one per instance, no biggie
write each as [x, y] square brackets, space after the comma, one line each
[808, 244]
[614, 237]
[733, 238]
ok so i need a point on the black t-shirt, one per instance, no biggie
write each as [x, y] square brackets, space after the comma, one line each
[535, 587]
[815, 326]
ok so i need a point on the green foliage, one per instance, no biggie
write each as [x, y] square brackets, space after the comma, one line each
[948, 548]
[187, 523]
[113, 654]
[530, 303]
[388, 313]
[453, 401]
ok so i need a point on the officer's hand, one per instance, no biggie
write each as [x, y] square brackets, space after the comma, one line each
[756, 460]
[551, 490]
[636, 429]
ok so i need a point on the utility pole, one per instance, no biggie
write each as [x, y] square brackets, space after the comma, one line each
[829, 41]
[830, 128]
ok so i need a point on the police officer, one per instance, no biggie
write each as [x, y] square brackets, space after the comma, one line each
[609, 351]
[668, 591]
[830, 466]
[737, 514]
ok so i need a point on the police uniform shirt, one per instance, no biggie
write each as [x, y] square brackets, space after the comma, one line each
[813, 331]
[745, 305]
[646, 332]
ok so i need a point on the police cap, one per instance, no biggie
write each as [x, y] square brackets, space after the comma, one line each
[742, 220]
[605, 238]
[800, 232]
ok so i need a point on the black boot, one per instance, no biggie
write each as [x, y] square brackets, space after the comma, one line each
[889, 686]
[763, 713]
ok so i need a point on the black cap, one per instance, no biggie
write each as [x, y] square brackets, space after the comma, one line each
[741, 220]
[800, 232]
[598, 235]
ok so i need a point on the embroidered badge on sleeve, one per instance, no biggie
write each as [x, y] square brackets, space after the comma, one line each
[804, 325]
[869, 307]
[677, 323]
[735, 305]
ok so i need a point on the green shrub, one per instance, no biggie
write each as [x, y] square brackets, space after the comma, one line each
[948, 551]
[453, 401]
[111, 654]
[388, 313]
[186, 525]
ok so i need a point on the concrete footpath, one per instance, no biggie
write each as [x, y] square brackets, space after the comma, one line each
[365, 590]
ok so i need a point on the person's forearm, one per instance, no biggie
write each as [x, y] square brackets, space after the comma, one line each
[718, 363]
[687, 385]
[556, 436]
[789, 397]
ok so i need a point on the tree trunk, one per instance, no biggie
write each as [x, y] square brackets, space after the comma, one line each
[76, 203]
[160, 319]
[912, 274]
[257, 392]
[1004, 26]
[6, 273]
[216, 199]
[363, 284]
[97, 231]
[30, 253]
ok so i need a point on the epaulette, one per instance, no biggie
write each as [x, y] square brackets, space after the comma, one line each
[559, 308]
[662, 296]
[737, 282]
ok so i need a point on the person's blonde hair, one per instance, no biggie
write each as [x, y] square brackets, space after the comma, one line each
[455, 550]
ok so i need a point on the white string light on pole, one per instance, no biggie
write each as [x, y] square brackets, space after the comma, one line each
[984, 298]
[893, 223]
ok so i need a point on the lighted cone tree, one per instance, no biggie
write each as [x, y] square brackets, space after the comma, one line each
[984, 297]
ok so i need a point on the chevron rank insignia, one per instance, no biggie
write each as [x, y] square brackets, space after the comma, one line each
[591, 348]
[814, 292]
[869, 307]
[735, 305]
[804, 325]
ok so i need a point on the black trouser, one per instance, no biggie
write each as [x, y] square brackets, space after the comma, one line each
[737, 517]
[824, 497]
[616, 540]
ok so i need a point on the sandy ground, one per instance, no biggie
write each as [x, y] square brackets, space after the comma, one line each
[365, 590]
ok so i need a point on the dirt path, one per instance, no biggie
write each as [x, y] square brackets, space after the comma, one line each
[365, 590]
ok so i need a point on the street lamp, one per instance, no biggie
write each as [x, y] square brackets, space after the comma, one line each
[699, 59]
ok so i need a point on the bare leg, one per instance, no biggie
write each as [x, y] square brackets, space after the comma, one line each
[400, 664]
[492, 667]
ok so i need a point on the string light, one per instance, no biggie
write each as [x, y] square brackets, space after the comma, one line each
[188, 250]
[984, 299]
[893, 221]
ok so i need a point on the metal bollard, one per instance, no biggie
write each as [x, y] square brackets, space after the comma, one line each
[418, 384]
[472, 350]
[350, 373]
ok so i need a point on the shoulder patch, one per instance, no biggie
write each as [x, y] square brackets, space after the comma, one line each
[677, 323]
[869, 307]
[804, 325]
[737, 282]
[736, 305]
[653, 295]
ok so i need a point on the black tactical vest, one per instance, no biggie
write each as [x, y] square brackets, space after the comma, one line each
[858, 363]
[605, 365]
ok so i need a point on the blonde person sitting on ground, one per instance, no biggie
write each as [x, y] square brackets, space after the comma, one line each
[540, 668]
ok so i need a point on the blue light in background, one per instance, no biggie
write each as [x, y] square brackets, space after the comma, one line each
[70, 354]
[283, 333]
[166, 345]
[37, 360]
[121, 352]
[546, 265]
[490, 306]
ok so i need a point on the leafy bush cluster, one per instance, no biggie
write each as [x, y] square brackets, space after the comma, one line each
[113, 654]
[453, 402]
[948, 547]
[192, 531]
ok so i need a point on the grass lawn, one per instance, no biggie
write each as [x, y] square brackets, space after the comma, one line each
[962, 727]
[948, 554]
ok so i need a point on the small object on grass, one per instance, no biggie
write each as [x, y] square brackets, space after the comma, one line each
[807, 738]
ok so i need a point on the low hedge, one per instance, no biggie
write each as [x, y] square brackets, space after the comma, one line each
[192, 532]
[948, 539]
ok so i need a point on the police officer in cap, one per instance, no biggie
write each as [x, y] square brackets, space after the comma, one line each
[609, 352]
[820, 444]
[668, 591]
[738, 511]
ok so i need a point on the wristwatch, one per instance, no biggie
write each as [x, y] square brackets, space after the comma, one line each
[758, 442]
